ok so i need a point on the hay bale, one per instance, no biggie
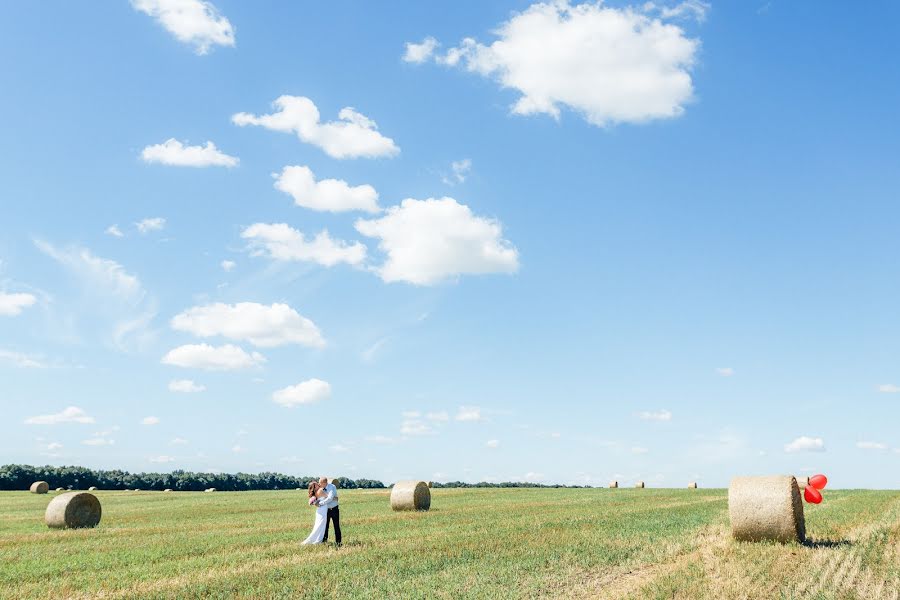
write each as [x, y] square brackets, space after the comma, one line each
[60, 489]
[429, 484]
[93, 488]
[73, 510]
[210, 490]
[639, 484]
[766, 508]
[692, 485]
[39, 487]
[167, 490]
[613, 484]
[410, 495]
[802, 481]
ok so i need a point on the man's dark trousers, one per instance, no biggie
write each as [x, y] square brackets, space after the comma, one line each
[334, 514]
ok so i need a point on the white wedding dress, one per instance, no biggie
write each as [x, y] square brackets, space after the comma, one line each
[318, 532]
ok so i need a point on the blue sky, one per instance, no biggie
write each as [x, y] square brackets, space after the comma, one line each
[594, 241]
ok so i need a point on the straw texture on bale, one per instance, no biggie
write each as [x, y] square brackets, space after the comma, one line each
[766, 508]
[802, 482]
[639, 484]
[93, 488]
[692, 485]
[410, 495]
[613, 484]
[73, 510]
[39, 487]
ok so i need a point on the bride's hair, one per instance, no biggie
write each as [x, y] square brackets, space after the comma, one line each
[312, 488]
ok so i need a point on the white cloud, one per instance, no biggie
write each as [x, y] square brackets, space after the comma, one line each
[96, 272]
[889, 388]
[872, 446]
[54, 446]
[13, 304]
[71, 414]
[212, 358]
[150, 421]
[307, 392]
[179, 442]
[21, 361]
[332, 195]
[175, 154]
[368, 355]
[185, 386]
[419, 53]
[493, 443]
[114, 231]
[99, 441]
[150, 224]
[689, 9]
[261, 325]
[659, 415]
[460, 170]
[228, 265]
[414, 426]
[282, 242]
[806, 444]
[338, 448]
[725, 371]
[428, 241]
[163, 458]
[469, 413]
[610, 65]
[195, 22]
[353, 136]
[639, 450]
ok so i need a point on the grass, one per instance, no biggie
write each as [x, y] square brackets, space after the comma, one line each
[473, 543]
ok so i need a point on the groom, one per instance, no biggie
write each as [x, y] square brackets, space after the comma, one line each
[334, 513]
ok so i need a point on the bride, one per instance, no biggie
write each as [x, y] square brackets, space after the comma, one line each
[316, 493]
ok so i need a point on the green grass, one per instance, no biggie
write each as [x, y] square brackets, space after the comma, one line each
[481, 543]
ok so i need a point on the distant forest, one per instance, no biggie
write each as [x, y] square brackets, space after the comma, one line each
[20, 477]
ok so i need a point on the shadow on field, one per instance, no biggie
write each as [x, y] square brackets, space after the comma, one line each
[826, 543]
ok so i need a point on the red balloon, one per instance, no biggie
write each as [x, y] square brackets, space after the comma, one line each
[818, 481]
[812, 495]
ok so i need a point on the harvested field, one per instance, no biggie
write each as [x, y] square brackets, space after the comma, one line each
[598, 543]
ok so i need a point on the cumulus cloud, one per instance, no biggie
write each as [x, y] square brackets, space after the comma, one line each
[460, 170]
[150, 224]
[114, 231]
[307, 392]
[261, 325]
[872, 446]
[194, 22]
[419, 53]
[806, 444]
[71, 414]
[279, 241]
[185, 386]
[429, 241]
[332, 195]
[175, 154]
[611, 65]
[469, 413]
[659, 415]
[353, 136]
[150, 421]
[212, 358]
[227, 265]
[889, 388]
[13, 304]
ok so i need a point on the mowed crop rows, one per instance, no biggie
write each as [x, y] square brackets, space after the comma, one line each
[478, 543]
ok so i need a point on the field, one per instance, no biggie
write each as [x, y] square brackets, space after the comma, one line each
[480, 543]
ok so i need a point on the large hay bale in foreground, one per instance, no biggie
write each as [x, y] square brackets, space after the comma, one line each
[39, 487]
[766, 508]
[613, 484]
[692, 485]
[73, 510]
[410, 495]
[639, 484]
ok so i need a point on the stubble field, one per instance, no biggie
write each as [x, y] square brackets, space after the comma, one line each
[480, 543]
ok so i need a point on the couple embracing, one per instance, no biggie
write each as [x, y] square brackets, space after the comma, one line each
[323, 495]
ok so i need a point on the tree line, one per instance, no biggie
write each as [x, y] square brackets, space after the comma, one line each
[20, 477]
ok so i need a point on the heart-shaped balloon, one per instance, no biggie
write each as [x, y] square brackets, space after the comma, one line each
[818, 481]
[812, 495]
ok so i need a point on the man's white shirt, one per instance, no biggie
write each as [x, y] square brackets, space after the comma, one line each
[331, 498]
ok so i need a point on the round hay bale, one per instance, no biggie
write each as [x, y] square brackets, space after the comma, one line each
[766, 508]
[136, 489]
[73, 510]
[167, 490]
[692, 485]
[210, 490]
[127, 489]
[613, 484]
[93, 488]
[429, 484]
[39, 487]
[410, 495]
[60, 489]
[802, 481]
[639, 484]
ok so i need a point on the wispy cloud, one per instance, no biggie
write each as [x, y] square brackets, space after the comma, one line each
[71, 414]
